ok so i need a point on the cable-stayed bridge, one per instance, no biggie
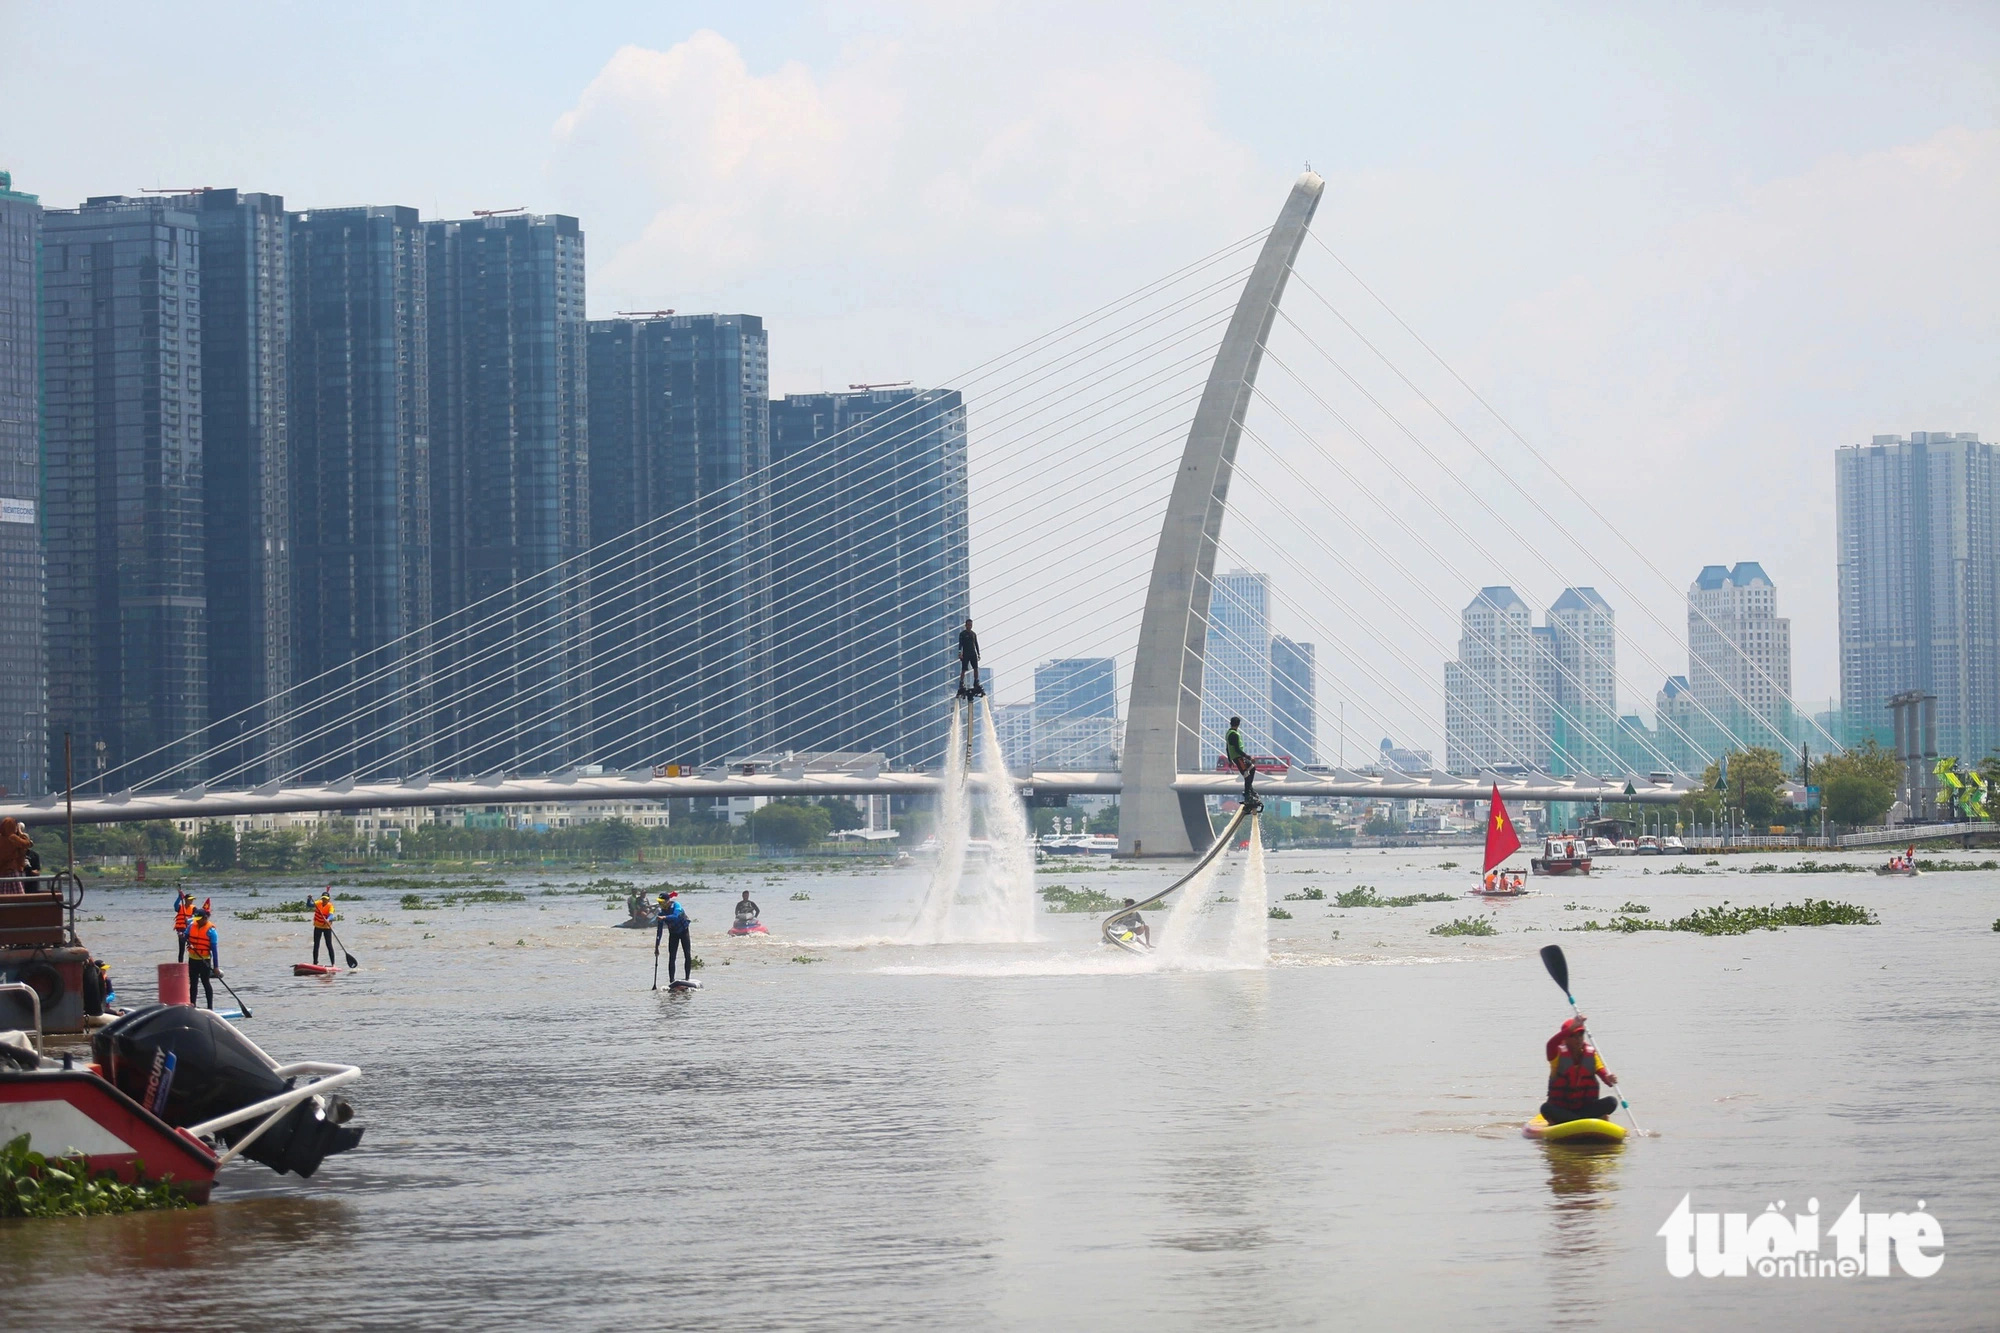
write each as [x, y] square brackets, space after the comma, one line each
[661, 648]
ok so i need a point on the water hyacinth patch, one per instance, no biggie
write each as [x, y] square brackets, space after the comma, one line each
[32, 1185]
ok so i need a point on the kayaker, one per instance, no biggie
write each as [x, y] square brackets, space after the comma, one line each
[323, 924]
[1574, 1069]
[183, 913]
[1232, 744]
[747, 912]
[204, 958]
[674, 925]
[968, 659]
[1132, 921]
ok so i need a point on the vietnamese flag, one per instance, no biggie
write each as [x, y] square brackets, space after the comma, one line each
[1501, 839]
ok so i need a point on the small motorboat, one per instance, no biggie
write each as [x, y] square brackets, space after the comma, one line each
[1501, 884]
[1902, 868]
[1562, 855]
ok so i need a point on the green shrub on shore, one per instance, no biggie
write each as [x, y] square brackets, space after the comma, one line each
[32, 1185]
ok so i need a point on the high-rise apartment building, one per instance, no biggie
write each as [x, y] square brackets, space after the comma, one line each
[1739, 661]
[359, 425]
[1236, 676]
[680, 428]
[1919, 570]
[23, 663]
[127, 595]
[1491, 690]
[1674, 724]
[1076, 714]
[1582, 702]
[868, 569]
[245, 331]
[510, 502]
[1294, 729]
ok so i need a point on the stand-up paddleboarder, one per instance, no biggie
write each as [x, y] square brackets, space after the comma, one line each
[674, 925]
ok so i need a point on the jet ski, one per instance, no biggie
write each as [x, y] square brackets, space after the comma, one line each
[750, 927]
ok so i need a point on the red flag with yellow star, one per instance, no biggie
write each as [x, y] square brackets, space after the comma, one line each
[1501, 839]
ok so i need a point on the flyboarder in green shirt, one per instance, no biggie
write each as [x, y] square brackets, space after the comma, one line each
[1232, 745]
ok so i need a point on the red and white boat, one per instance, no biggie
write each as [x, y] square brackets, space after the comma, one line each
[1562, 854]
[1495, 879]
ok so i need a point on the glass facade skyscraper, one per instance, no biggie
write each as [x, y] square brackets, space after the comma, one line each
[23, 670]
[361, 522]
[1294, 721]
[1076, 713]
[1237, 676]
[869, 569]
[1919, 570]
[510, 505]
[680, 428]
[245, 332]
[127, 598]
[1739, 661]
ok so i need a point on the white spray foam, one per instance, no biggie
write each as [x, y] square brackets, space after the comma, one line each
[954, 831]
[1010, 864]
[1250, 941]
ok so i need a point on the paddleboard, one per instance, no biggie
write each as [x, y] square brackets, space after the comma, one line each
[314, 970]
[1574, 1131]
[684, 985]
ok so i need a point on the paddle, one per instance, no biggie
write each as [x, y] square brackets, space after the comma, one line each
[232, 995]
[656, 960]
[351, 962]
[1558, 966]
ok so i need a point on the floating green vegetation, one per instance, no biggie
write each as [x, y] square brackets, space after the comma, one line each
[625, 884]
[1279, 914]
[1923, 863]
[1063, 899]
[1711, 863]
[1634, 909]
[1466, 925]
[1309, 896]
[32, 1185]
[1684, 870]
[276, 911]
[802, 897]
[413, 902]
[805, 958]
[402, 882]
[1448, 865]
[349, 898]
[1727, 920]
[416, 902]
[1806, 868]
[1364, 895]
[1996, 925]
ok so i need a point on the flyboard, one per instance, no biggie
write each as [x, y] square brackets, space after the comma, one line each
[1123, 936]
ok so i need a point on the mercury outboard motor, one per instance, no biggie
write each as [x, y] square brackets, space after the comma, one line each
[216, 1070]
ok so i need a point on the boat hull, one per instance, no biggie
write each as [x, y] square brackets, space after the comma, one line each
[1576, 865]
[70, 1110]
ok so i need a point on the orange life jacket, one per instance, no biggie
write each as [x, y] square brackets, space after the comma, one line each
[322, 914]
[1573, 1081]
[183, 913]
[199, 942]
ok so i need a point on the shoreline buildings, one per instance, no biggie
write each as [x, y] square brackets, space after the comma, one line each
[1919, 576]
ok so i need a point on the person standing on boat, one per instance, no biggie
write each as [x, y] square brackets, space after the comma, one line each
[323, 924]
[1232, 744]
[204, 956]
[1574, 1069]
[16, 847]
[968, 659]
[183, 913]
[747, 912]
[674, 925]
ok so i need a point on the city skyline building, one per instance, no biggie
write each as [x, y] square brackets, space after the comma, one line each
[1294, 717]
[23, 656]
[1584, 731]
[1918, 564]
[245, 333]
[1076, 714]
[1236, 680]
[680, 429]
[126, 561]
[1490, 689]
[509, 485]
[359, 431]
[869, 568]
[1739, 661]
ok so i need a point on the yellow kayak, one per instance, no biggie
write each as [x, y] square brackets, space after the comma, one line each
[1574, 1131]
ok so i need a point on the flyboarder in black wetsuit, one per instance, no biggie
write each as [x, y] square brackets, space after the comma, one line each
[968, 660]
[1232, 745]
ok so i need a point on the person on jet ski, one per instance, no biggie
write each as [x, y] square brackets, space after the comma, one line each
[1574, 1069]
[747, 912]
[968, 660]
[1232, 744]
[1130, 920]
[674, 924]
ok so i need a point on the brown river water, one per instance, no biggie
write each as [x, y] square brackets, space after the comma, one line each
[1044, 1135]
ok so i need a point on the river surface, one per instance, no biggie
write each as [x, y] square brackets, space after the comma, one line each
[1045, 1135]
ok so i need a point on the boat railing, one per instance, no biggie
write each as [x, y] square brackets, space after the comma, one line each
[34, 1007]
[273, 1109]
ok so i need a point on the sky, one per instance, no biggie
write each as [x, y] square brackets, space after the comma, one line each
[1684, 250]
